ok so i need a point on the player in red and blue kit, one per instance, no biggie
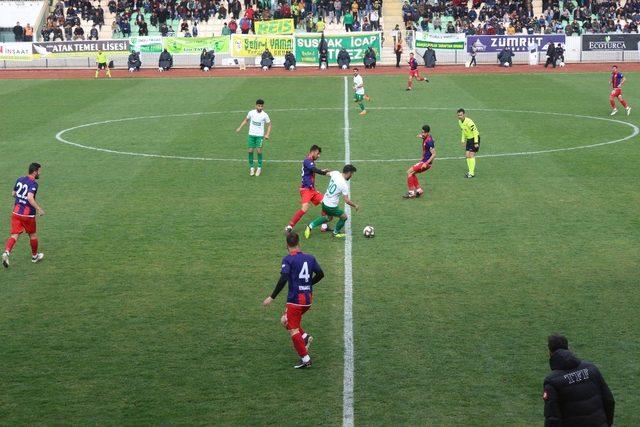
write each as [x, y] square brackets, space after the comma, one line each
[414, 73]
[617, 80]
[308, 192]
[23, 218]
[428, 157]
[301, 271]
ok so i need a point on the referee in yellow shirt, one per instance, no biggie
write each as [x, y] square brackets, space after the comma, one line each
[471, 138]
[101, 59]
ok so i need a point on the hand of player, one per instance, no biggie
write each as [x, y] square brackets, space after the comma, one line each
[266, 137]
[40, 212]
[268, 300]
[239, 129]
[356, 207]
[326, 170]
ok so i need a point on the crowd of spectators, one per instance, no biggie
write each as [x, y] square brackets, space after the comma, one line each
[66, 24]
[517, 17]
[23, 34]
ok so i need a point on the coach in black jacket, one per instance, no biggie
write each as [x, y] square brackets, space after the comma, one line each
[575, 394]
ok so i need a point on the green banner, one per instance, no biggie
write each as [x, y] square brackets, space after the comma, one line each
[440, 41]
[276, 26]
[355, 44]
[146, 44]
[179, 45]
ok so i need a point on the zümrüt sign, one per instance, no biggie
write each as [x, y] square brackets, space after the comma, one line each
[518, 43]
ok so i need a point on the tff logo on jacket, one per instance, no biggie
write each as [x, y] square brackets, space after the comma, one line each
[577, 376]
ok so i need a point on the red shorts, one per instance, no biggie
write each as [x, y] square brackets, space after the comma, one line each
[22, 224]
[616, 92]
[308, 195]
[294, 315]
[414, 73]
[421, 167]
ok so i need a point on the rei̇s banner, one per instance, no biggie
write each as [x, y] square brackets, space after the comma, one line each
[79, 48]
[276, 26]
[354, 43]
[16, 51]
[179, 45]
[517, 43]
[243, 45]
[609, 42]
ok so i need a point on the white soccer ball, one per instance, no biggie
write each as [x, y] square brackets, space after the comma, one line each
[369, 231]
[506, 64]
[324, 227]
[160, 69]
[344, 66]
[561, 64]
[206, 68]
[323, 66]
[293, 67]
[131, 70]
[265, 68]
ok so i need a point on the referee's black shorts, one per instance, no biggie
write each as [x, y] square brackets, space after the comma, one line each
[471, 145]
[102, 66]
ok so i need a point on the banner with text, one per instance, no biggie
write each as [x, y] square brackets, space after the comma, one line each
[146, 44]
[243, 45]
[277, 26]
[79, 48]
[355, 44]
[439, 41]
[180, 45]
[16, 52]
[609, 42]
[517, 43]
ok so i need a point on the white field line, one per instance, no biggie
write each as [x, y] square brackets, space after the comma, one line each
[636, 131]
[347, 385]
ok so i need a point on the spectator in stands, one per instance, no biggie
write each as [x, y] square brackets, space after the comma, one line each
[115, 29]
[78, 33]
[348, 21]
[235, 7]
[344, 59]
[267, 60]
[143, 29]
[133, 62]
[225, 30]
[93, 33]
[320, 26]
[222, 12]
[57, 33]
[429, 57]
[375, 20]
[505, 57]
[28, 33]
[125, 28]
[233, 26]
[166, 61]
[369, 58]
[337, 6]
[18, 32]
[164, 30]
[184, 26]
[245, 24]
[356, 25]
[437, 23]
[551, 56]
[194, 29]
[289, 61]
[366, 25]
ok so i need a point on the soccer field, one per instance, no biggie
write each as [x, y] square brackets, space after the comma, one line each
[147, 306]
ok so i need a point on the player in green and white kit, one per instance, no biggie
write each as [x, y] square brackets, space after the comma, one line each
[257, 120]
[359, 95]
[331, 202]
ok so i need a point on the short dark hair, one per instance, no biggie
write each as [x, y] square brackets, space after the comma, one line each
[461, 110]
[33, 167]
[355, 68]
[314, 147]
[292, 239]
[349, 168]
[426, 128]
[260, 102]
[557, 341]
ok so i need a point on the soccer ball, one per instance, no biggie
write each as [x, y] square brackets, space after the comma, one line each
[131, 70]
[206, 68]
[160, 69]
[323, 66]
[369, 231]
[344, 66]
[293, 67]
[561, 64]
[324, 227]
[265, 68]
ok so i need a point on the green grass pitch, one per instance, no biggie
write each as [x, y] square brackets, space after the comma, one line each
[146, 308]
